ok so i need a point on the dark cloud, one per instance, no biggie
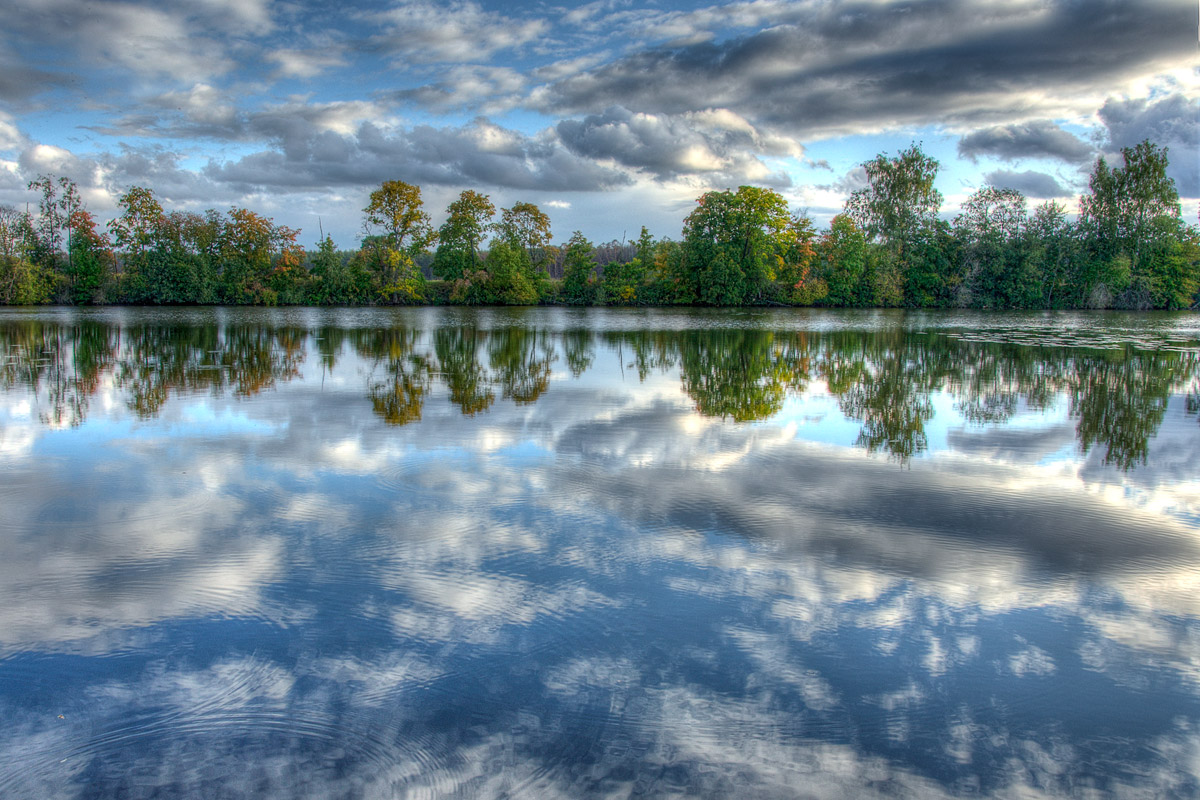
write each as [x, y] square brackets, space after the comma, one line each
[1037, 139]
[851, 182]
[19, 82]
[1029, 183]
[720, 145]
[961, 62]
[1172, 122]
[476, 154]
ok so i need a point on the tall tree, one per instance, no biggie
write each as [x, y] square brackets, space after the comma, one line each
[460, 238]
[732, 241]
[1123, 202]
[579, 265]
[395, 213]
[843, 251]
[899, 196]
[525, 226]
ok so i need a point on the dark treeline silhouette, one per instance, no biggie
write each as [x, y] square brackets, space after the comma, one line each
[884, 380]
[1129, 249]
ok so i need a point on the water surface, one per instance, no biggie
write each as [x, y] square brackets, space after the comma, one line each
[557, 553]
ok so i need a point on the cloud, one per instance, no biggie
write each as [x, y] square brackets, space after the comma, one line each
[1035, 139]
[305, 63]
[20, 82]
[849, 183]
[715, 143]
[489, 89]
[1172, 122]
[1029, 183]
[480, 153]
[149, 40]
[850, 68]
[428, 33]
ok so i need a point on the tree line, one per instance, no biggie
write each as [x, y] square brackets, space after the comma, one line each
[1129, 248]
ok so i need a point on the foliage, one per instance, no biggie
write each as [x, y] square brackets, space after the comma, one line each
[460, 238]
[396, 209]
[899, 197]
[1129, 249]
[733, 241]
[579, 267]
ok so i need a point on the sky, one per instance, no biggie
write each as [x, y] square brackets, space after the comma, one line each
[608, 115]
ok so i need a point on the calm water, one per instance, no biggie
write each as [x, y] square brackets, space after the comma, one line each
[544, 553]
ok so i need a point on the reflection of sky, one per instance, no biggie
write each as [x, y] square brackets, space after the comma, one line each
[600, 593]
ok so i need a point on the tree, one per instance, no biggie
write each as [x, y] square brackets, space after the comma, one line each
[796, 268]
[990, 227]
[393, 275]
[579, 266]
[88, 261]
[1050, 243]
[1123, 203]
[509, 276]
[461, 236]
[49, 226]
[525, 226]
[395, 208]
[843, 250]
[899, 196]
[732, 241]
[141, 219]
[623, 281]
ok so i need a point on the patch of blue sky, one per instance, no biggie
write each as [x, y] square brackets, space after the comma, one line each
[817, 418]
[204, 419]
[525, 453]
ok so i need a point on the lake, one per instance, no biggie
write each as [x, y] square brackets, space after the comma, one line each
[539, 553]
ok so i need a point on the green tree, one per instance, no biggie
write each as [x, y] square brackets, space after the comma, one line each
[1050, 244]
[991, 231]
[843, 252]
[510, 279]
[732, 241]
[393, 275]
[460, 238]
[1123, 202]
[525, 226]
[899, 197]
[579, 267]
[395, 213]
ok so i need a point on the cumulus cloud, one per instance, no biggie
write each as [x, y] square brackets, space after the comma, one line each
[1030, 183]
[149, 40]
[424, 32]
[839, 69]
[715, 142]
[480, 153]
[1035, 139]
[487, 88]
[1172, 122]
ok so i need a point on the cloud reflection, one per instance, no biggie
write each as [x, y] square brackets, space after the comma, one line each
[617, 587]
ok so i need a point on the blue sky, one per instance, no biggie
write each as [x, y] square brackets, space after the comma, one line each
[609, 115]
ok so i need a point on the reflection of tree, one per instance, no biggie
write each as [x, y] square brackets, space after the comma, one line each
[158, 360]
[1120, 398]
[329, 340]
[652, 351]
[578, 350]
[521, 359]
[886, 383]
[457, 355]
[989, 380]
[742, 374]
[399, 395]
[68, 362]
[885, 380]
